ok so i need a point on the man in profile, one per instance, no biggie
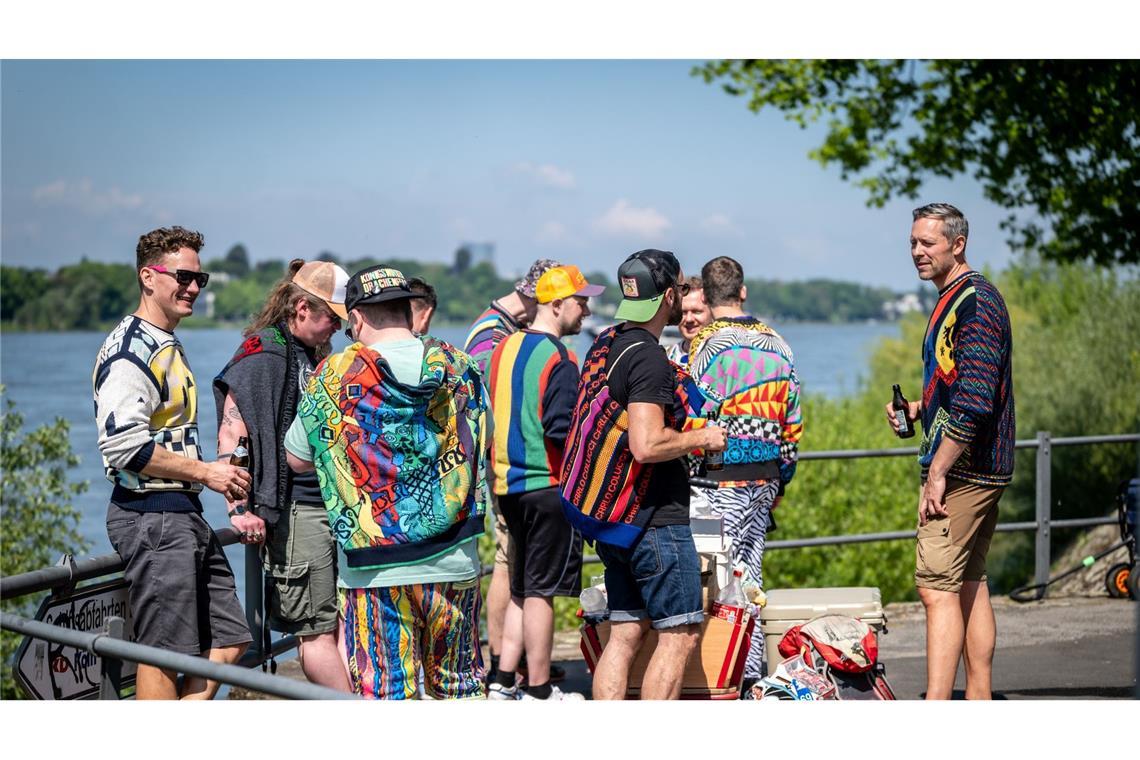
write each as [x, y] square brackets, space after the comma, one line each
[505, 316]
[625, 484]
[423, 308]
[182, 594]
[966, 454]
[534, 381]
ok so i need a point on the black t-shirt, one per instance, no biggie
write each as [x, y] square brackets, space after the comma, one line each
[304, 487]
[638, 371]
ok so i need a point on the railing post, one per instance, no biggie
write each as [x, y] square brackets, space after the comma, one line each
[1044, 509]
[254, 587]
[110, 684]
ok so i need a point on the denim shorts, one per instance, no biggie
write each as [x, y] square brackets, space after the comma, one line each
[658, 578]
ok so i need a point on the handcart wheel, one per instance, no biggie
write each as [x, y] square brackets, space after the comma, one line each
[1117, 581]
[1134, 582]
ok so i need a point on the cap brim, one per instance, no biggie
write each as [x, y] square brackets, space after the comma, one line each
[591, 290]
[638, 311]
[338, 309]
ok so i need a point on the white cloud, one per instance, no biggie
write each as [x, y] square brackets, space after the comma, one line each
[82, 195]
[551, 232]
[548, 175]
[624, 220]
[720, 225]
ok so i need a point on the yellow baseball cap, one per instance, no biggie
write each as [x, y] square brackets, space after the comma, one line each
[563, 282]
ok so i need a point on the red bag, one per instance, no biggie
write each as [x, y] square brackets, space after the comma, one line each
[845, 643]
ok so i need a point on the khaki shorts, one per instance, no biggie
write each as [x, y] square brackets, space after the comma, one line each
[951, 550]
[300, 562]
[504, 548]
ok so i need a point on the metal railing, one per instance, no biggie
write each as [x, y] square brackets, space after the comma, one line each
[113, 649]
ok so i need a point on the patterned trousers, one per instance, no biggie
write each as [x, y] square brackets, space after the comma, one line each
[745, 509]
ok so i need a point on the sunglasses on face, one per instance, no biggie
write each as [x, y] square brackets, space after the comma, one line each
[184, 276]
[683, 288]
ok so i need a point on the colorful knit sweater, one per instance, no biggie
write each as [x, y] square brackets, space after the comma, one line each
[489, 329]
[602, 484]
[967, 395]
[533, 379]
[401, 467]
[145, 397]
[747, 372]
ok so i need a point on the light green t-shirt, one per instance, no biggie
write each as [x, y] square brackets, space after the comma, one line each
[459, 563]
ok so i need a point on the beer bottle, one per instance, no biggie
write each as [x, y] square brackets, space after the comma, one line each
[240, 455]
[901, 407]
[714, 460]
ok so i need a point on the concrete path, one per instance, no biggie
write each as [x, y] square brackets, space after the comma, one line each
[1072, 648]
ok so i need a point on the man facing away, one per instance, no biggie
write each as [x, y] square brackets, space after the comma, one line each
[423, 309]
[256, 395]
[533, 383]
[625, 485]
[747, 374]
[695, 314]
[966, 453]
[506, 315]
[396, 427]
[182, 594]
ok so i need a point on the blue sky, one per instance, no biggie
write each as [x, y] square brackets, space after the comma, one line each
[585, 161]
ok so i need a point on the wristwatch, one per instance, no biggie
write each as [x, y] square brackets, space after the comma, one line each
[240, 509]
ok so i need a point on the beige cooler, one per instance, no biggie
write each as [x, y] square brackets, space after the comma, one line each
[788, 607]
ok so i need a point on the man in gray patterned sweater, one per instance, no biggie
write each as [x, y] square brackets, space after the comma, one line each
[182, 594]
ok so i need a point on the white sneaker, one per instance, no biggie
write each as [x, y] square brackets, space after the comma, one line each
[556, 695]
[503, 693]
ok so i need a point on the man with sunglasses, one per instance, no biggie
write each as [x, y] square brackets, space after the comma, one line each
[182, 593]
[746, 372]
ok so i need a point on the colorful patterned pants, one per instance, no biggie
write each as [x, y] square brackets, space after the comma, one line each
[393, 631]
[745, 509]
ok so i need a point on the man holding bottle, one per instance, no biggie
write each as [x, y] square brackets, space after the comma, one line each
[966, 453]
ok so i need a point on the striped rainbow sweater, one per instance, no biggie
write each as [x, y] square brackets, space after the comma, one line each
[967, 394]
[533, 380]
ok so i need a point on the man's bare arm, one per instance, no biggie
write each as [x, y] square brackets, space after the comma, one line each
[651, 441]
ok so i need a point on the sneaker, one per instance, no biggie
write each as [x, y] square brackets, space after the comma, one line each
[556, 695]
[503, 693]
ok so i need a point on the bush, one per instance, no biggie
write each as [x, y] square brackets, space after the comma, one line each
[39, 522]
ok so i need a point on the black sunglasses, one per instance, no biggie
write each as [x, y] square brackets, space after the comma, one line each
[184, 276]
[683, 288]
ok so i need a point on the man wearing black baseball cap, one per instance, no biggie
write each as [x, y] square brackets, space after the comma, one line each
[627, 378]
[397, 426]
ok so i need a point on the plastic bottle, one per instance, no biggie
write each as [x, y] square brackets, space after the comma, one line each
[714, 460]
[593, 600]
[730, 601]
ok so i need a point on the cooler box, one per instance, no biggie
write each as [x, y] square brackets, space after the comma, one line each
[714, 671]
[789, 607]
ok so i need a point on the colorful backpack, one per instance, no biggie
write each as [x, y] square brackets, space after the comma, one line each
[844, 650]
[602, 484]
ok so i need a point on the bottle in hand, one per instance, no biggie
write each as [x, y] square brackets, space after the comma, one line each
[901, 408]
[714, 460]
[240, 455]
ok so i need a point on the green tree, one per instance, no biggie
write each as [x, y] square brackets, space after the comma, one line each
[1055, 142]
[39, 522]
[19, 287]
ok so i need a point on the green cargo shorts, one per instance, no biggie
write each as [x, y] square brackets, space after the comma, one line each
[300, 567]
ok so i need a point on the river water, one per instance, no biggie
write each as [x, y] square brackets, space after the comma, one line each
[48, 375]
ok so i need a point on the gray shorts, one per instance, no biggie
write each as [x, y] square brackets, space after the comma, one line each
[182, 594]
[300, 566]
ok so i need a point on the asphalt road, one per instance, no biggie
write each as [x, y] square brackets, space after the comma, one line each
[1071, 648]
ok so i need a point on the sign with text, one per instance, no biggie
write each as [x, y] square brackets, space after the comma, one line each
[47, 670]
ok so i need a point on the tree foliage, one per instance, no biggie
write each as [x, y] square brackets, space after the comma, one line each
[1055, 142]
[39, 522]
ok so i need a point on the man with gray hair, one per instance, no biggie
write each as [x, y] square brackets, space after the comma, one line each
[966, 453]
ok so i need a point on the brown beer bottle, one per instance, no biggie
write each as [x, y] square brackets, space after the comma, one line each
[240, 455]
[902, 408]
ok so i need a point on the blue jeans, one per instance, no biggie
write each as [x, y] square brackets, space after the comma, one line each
[658, 578]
